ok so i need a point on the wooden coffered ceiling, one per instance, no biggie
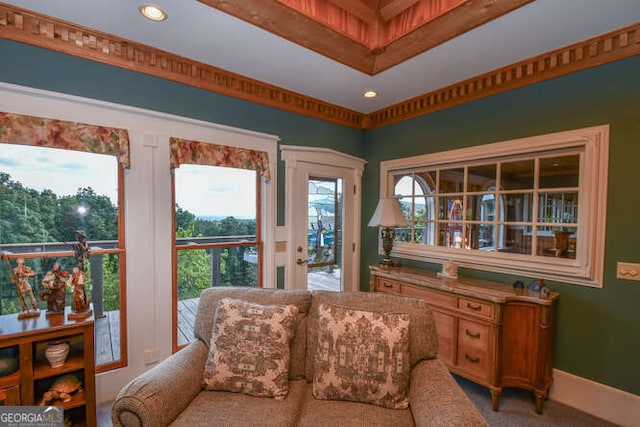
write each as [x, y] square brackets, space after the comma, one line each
[367, 35]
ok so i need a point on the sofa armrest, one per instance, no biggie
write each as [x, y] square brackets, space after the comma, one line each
[159, 395]
[436, 399]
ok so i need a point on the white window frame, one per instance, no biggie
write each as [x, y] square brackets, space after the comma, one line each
[587, 269]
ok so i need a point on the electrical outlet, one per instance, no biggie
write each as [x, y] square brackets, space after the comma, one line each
[628, 270]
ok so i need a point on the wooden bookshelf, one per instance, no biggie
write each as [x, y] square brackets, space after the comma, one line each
[29, 338]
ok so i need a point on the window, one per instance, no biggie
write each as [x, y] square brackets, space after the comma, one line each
[47, 194]
[532, 206]
[218, 239]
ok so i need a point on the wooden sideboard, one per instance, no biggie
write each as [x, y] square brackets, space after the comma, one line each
[488, 332]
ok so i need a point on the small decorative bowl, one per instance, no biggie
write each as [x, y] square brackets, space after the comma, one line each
[57, 354]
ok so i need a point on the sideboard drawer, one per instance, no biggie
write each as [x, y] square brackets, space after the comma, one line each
[434, 298]
[474, 355]
[473, 335]
[385, 285]
[476, 307]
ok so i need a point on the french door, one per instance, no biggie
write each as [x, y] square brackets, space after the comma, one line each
[323, 219]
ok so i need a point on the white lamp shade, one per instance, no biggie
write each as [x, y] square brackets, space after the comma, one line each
[388, 214]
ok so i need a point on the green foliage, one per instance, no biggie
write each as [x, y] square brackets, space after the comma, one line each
[111, 282]
[29, 216]
[194, 268]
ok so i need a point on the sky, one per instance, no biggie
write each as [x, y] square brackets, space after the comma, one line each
[207, 191]
[61, 171]
[202, 190]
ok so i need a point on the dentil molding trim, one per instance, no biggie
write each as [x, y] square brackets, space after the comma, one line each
[43, 31]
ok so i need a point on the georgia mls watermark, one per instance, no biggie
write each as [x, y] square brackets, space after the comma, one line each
[31, 416]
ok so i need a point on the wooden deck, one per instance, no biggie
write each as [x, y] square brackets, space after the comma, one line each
[107, 328]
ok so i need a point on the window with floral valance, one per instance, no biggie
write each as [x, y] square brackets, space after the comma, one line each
[185, 151]
[53, 133]
[217, 239]
[47, 195]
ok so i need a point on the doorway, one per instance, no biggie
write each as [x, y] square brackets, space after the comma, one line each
[323, 219]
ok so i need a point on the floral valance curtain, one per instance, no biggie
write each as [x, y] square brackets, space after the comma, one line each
[42, 132]
[202, 153]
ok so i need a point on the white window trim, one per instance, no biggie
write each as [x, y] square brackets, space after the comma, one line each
[588, 269]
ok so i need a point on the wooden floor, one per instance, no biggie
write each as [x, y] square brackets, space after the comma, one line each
[108, 327]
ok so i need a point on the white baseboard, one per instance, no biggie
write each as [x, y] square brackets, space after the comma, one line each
[608, 403]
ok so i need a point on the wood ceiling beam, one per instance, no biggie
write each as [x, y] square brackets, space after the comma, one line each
[447, 26]
[391, 8]
[359, 9]
[298, 28]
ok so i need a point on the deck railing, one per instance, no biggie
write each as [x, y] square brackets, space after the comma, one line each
[97, 248]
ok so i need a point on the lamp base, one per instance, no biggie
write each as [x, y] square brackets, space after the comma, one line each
[386, 263]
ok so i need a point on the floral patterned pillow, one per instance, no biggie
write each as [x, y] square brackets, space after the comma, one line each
[362, 356]
[250, 348]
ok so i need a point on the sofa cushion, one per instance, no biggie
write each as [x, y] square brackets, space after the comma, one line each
[332, 413]
[422, 330]
[362, 356]
[249, 351]
[222, 408]
[300, 298]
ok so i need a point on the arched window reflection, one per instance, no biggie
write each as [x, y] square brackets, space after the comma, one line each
[415, 195]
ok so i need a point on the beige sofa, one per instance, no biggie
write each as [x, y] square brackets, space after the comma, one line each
[171, 393]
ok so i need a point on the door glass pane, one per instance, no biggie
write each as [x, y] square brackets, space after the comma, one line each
[450, 208]
[481, 207]
[324, 240]
[558, 207]
[480, 236]
[450, 235]
[426, 181]
[452, 180]
[559, 243]
[517, 175]
[481, 178]
[561, 171]
[514, 239]
[519, 207]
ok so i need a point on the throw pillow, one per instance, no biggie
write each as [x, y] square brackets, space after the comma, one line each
[362, 356]
[250, 348]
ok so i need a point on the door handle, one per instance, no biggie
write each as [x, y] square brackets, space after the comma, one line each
[301, 261]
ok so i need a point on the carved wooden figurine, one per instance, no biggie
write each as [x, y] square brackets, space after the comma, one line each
[54, 284]
[20, 277]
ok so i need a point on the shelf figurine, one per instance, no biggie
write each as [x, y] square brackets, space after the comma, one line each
[54, 285]
[20, 276]
[80, 307]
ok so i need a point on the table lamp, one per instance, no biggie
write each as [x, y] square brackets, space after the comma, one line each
[387, 215]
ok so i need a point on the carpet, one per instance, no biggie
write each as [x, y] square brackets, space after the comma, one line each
[517, 408]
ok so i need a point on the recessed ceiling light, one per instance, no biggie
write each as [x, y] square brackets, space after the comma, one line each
[370, 94]
[153, 13]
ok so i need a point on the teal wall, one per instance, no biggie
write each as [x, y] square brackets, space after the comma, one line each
[598, 334]
[598, 330]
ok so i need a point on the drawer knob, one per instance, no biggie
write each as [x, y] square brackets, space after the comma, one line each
[470, 335]
[387, 285]
[472, 359]
[474, 307]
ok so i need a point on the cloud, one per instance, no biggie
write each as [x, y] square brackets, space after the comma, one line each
[7, 162]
